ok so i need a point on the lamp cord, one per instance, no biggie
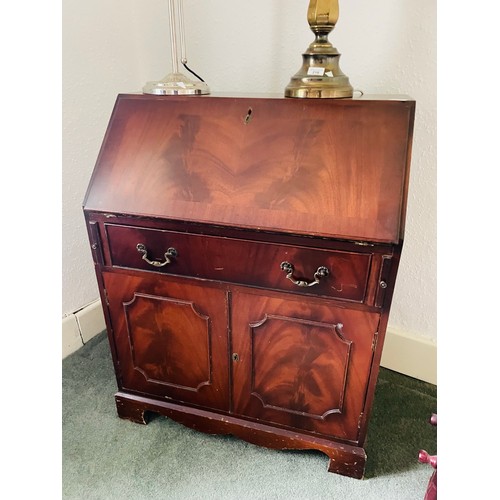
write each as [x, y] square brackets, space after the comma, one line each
[192, 72]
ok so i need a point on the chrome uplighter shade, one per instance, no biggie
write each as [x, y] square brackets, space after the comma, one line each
[176, 83]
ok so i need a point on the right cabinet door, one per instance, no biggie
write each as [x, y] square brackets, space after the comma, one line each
[301, 363]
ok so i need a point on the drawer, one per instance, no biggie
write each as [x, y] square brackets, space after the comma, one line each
[329, 273]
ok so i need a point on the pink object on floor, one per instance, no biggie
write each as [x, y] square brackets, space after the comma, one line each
[425, 458]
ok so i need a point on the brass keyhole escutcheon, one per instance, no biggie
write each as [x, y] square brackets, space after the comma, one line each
[236, 357]
[248, 117]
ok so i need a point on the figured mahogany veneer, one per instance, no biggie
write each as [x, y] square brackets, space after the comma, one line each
[246, 251]
[316, 168]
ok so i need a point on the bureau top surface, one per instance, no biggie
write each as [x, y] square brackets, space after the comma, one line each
[326, 167]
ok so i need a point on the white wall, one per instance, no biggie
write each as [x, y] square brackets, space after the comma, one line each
[110, 47]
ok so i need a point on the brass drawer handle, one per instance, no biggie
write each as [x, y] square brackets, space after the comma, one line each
[321, 272]
[169, 254]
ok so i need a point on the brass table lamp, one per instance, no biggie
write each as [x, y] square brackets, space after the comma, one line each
[320, 75]
[177, 83]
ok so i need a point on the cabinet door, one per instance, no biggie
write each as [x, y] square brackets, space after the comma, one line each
[170, 337]
[301, 362]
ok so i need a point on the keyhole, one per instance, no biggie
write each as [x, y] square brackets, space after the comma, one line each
[236, 357]
[249, 116]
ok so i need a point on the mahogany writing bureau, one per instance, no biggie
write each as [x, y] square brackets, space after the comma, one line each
[246, 250]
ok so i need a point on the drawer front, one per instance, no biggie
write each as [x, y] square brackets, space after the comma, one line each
[329, 273]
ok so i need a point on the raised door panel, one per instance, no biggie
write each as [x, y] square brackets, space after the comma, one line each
[301, 363]
[171, 338]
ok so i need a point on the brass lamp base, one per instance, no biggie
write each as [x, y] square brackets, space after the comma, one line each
[320, 75]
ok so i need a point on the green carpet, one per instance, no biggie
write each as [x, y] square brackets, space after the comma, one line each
[104, 457]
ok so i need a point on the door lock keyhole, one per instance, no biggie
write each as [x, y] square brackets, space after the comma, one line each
[248, 117]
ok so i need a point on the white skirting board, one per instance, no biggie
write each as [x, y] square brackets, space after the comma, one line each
[410, 355]
[79, 327]
[403, 353]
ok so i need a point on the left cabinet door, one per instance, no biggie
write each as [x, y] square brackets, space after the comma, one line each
[170, 337]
